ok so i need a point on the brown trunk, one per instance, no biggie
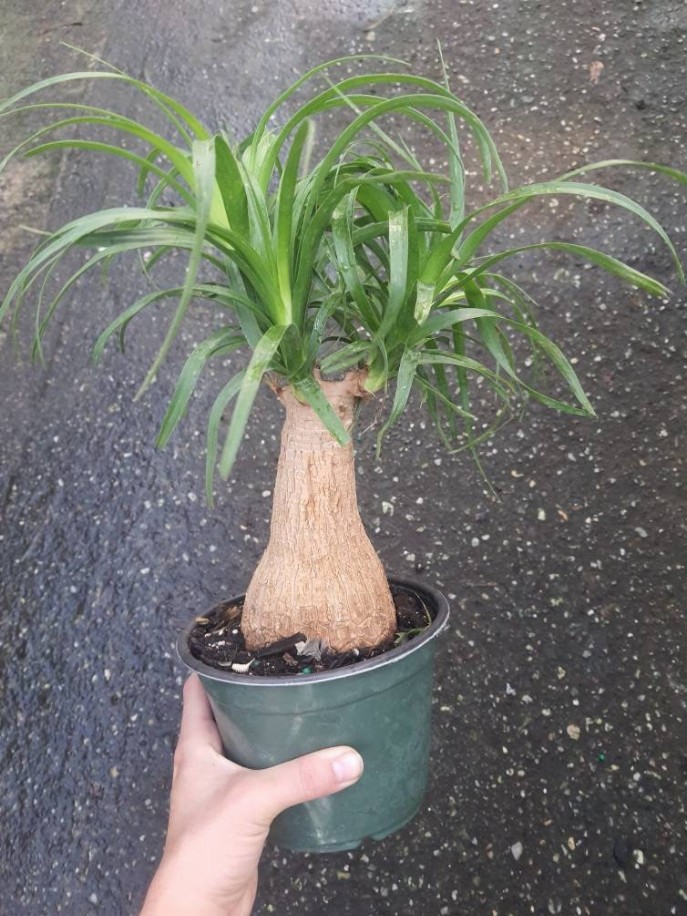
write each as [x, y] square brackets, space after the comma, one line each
[320, 574]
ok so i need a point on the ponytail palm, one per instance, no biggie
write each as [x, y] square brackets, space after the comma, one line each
[353, 263]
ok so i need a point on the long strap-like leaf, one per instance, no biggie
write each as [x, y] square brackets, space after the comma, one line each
[259, 364]
[204, 179]
[225, 340]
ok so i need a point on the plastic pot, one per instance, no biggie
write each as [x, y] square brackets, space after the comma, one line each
[381, 707]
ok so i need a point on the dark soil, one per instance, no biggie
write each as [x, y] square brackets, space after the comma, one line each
[217, 640]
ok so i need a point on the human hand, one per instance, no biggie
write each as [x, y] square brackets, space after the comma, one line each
[220, 814]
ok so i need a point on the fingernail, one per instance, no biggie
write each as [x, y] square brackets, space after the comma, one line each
[348, 766]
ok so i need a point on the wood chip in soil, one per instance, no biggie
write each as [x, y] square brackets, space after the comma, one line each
[217, 640]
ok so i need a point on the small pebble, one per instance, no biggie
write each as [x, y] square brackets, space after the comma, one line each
[516, 850]
[573, 732]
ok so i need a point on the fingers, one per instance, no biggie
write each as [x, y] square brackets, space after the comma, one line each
[269, 792]
[263, 794]
[197, 722]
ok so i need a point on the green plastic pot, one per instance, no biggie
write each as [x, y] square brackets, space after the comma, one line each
[381, 707]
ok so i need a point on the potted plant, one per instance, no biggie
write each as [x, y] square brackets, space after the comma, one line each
[345, 271]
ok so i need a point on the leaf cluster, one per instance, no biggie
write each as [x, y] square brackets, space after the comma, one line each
[353, 256]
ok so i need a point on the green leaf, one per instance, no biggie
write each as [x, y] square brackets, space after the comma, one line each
[469, 246]
[404, 383]
[283, 230]
[435, 97]
[595, 192]
[441, 392]
[165, 103]
[225, 340]
[122, 320]
[204, 180]
[259, 363]
[231, 186]
[456, 168]
[325, 311]
[609, 264]
[667, 170]
[167, 178]
[308, 75]
[441, 321]
[178, 157]
[501, 386]
[342, 222]
[566, 371]
[260, 239]
[399, 244]
[308, 390]
[424, 300]
[210, 292]
[346, 356]
[230, 390]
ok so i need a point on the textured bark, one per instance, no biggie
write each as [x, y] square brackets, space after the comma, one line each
[319, 575]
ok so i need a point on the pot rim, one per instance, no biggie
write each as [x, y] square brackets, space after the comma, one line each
[391, 657]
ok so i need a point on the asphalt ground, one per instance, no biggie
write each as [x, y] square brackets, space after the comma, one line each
[560, 745]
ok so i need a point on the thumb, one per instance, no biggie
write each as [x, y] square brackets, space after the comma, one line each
[303, 779]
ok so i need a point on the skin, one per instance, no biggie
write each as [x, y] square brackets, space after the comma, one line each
[220, 815]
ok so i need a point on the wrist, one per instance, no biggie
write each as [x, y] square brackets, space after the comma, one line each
[176, 891]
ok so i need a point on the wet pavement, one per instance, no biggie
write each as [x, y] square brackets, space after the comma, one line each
[560, 744]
